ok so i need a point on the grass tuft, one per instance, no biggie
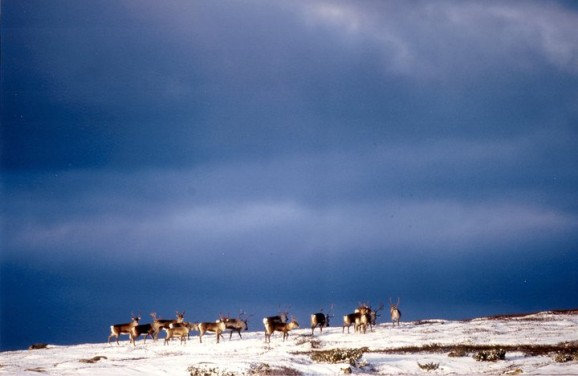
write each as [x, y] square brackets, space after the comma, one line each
[431, 366]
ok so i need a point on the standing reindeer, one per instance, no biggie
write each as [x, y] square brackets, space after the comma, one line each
[236, 325]
[180, 330]
[394, 311]
[275, 326]
[374, 313]
[348, 320]
[139, 330]
[281, 318]
[159, 324]
[218, 327]
[320, 320]
[363, 319]
[118, 329]
[360, 318]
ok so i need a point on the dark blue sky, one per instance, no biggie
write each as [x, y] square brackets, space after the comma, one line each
[212, 156]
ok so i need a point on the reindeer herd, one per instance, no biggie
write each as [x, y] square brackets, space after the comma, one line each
[362, 317]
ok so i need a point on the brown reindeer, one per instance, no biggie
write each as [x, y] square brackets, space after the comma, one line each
[159, 324]
[218, 327]
[363, 319]
[273, 326]
[236, 325]
[137, 331]
[394, 311]
[320, 320]
[179, 329]
[118, 329]
[375, 314]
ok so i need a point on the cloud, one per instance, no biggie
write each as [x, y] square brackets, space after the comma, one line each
[447, 39]
[283, 207]
[128, 93]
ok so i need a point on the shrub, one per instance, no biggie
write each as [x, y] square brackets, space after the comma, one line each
[350, 356]
[429, 366]
[208, 371]
[490, 355]
[565, 357]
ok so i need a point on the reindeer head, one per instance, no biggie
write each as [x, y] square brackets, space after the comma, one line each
[393, 307]
[135, 318]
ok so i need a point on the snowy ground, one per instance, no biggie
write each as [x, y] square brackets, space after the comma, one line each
[531, 342]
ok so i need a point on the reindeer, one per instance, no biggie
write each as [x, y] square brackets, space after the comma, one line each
[320, 320]
[236, 325]
[191, 325]
[375, 314]
[218, 327]
[273, 326]
[138, 330]
[159, 324]
[363, 318]
[349, 319]
[354, 318]
[118, 329]
[360, 319]
[281, 317]
[368, 316]
[180, 329]
[394, 311]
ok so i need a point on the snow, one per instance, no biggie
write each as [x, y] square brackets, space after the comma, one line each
[387, 350]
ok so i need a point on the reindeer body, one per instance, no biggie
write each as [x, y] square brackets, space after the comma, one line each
[282, 318]
[395, 315]
[320, 320]
[180, 330]
[138, 330]
[118, 329]
[395, 312]
[272, 327]
[218, 327]
[350, 319]
[235, 325]
[362, 321]
[159, 324]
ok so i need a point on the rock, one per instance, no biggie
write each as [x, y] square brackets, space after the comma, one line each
[37, 346]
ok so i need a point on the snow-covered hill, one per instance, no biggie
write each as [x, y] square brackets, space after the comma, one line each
[541, 343]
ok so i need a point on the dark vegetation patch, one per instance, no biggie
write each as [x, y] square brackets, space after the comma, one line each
[255, 369]
[266, 369]
[573, 311]
[428, 366]
[490, 355]
[463, 350]
[565, 357]
[37, 369]
[93, 359]
[350, 356]
[208, 371]
[427, 322]
[37, 346]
